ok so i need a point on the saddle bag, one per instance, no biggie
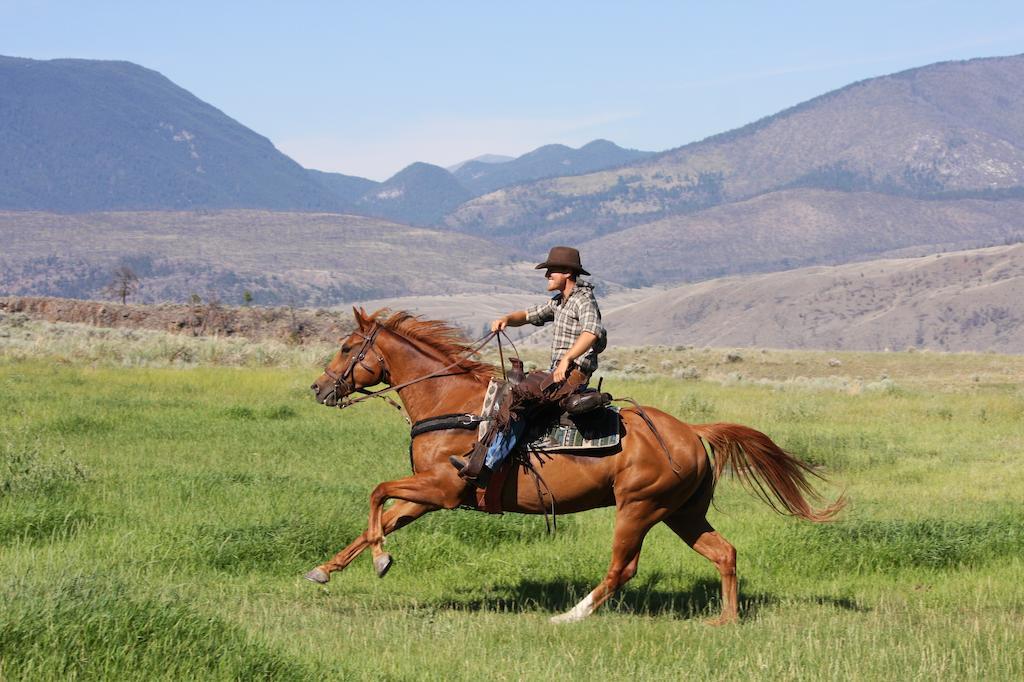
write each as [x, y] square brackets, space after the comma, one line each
[585, 401]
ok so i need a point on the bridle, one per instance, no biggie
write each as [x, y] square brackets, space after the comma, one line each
[345, 381]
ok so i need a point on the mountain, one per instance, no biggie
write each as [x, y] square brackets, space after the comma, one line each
[549, 161]
[420, 194]
[283, 258]
[483, 158]
[948, 130]
[83, 135]
[962, 301]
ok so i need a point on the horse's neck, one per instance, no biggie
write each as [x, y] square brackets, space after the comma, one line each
[453, 392]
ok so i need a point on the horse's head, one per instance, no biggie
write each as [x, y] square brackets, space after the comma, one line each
[356, 365]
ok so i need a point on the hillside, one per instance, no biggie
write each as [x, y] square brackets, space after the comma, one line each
[793, 228]
[282, 258]
[948, 130]
[82, 135]
[961, 301]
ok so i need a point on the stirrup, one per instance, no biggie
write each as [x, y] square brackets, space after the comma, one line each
[480, 480]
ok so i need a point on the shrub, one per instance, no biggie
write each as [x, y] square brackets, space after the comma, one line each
[688, 373]
[694, 408]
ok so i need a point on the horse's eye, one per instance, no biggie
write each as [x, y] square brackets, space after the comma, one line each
[345, 349]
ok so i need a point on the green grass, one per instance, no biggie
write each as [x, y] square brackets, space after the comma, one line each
[155, 523]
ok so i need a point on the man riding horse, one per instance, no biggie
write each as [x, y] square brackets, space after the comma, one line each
[577, 340]
[660, 473]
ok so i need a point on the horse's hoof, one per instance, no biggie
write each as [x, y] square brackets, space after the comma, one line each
[318, 575]
[382, 564]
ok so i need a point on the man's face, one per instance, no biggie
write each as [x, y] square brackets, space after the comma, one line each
[557, 277]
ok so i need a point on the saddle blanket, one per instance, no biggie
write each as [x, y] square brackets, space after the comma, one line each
[597, 430]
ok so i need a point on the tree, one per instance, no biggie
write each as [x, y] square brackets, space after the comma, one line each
[124, 283]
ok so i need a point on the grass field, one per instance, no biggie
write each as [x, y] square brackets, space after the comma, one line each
[155, 522]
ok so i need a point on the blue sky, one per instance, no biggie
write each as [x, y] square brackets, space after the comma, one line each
[367, 88]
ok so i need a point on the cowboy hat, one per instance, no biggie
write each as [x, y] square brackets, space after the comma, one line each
[563, 257]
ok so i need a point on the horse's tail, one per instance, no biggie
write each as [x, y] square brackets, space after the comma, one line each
[768, 471]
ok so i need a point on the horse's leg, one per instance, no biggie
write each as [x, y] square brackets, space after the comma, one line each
[432, 490]
[706, 541]
[399, 516]
[632, 522]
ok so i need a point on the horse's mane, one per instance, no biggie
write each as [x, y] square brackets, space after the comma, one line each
[448, 340]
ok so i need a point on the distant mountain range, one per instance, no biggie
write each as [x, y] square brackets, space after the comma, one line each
[947, 131]
[81, 135]
[553, 160]
[103, 162]
[423, 194]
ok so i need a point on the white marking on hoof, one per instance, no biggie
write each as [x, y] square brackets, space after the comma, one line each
[382, 564]
[318, 575]
[578, 612]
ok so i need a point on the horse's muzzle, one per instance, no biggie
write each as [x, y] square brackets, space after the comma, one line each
[325, 397]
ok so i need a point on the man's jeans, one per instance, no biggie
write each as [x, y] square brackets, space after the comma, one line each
[503, 444]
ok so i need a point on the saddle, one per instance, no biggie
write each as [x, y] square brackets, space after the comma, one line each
[586, 423]
[581, 423]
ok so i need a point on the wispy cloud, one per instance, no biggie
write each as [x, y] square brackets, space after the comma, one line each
[1014, 39]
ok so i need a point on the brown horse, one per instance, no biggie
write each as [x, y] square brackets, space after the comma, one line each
[644, 484]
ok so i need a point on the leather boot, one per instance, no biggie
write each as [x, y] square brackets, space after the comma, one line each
[472, 467]
[480, 480]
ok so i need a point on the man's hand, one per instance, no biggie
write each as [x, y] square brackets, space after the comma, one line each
[581, 346]
[513, 319]
[562, 370]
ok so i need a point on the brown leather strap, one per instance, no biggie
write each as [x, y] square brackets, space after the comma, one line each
[444, 422]
[501, 357]
[661, 441]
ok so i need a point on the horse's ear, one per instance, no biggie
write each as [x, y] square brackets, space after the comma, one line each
[360, 316]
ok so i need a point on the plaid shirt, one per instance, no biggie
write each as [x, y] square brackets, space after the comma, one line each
[578, 314]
